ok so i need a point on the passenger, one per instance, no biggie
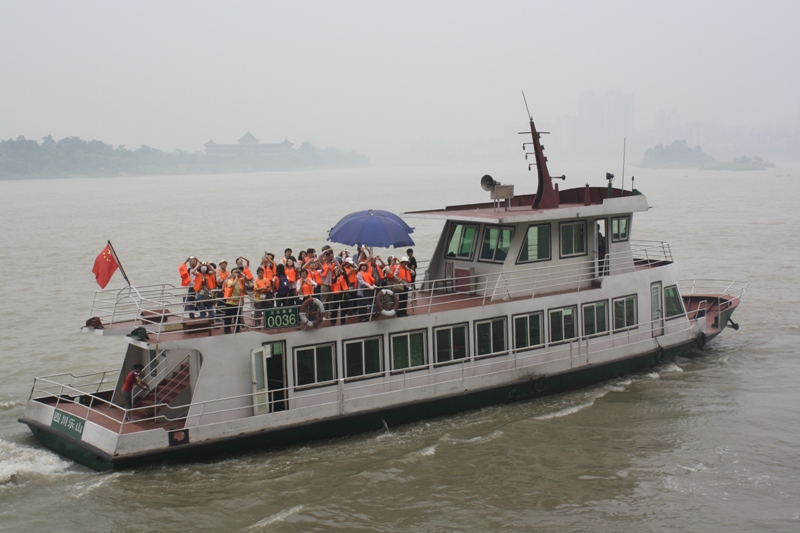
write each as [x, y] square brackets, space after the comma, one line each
[268, 263]
[243, 264]
[377, 267]
[326, 265]
[287, 253]
[302, 259]
[205, 282]
[262, 292]
[282, 287]
[305, 285]
[349, 299]
[234, 297]
[222, 275]
[366, 291]
[412, 264]
[404, 278]
[187, 280]
[291, 275]
[132, 379]
[338, 287]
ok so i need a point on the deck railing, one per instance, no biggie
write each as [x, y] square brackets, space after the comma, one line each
[159, 309]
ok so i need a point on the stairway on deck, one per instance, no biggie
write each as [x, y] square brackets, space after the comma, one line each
[169, 388]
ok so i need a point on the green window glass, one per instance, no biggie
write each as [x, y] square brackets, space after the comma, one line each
[315, 364]
[461, 241]
[408, 350]
[536, 246]
[496, 242]
[491, 336]
[594, 318]
[362, 357]
[672, 301]
[573, 238]
[451, 343]
[562, 324]
[528, 330]
[625, 312]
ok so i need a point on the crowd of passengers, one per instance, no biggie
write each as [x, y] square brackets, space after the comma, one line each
[345, 286]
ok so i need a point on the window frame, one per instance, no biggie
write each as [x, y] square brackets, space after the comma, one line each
[634, 307]
[362, 341]
[315, 347]
[682, 312]
[542, 330]
[407, 335]
[486, 229]
[586, 306]
[615, 234]
[451, 327]
[561, 241]
[492, 324]
[563, 338]
[525, 243]
[464, 226]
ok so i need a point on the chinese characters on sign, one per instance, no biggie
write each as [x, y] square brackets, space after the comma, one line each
[68, 423]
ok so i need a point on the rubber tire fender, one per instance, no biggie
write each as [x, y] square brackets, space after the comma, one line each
[701, 341]
[539, 384]
[661, 356]
[384, 297]
[312, 311]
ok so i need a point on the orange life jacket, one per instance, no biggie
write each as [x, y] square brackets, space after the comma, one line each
[223, 275]
[228, 292]
[291, 275]
[186, 279]
[263, 286]
[403, 273]
[306, 288]
[211, 282]
[247, 273]
[350, 276]
[368, 276]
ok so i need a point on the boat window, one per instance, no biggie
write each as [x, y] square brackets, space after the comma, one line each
[490, 336]
[496, 242]
[362, 357]
[625, 312]
[672, 301]
[408, 350]
[573, 238]
[595, 318]
[619, 229]
[528, 330]
[315, 364]
[451, 343]
[562, 324]
[537, 244]
[462, 238]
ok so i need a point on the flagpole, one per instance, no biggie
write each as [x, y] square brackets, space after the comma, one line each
[114, 253]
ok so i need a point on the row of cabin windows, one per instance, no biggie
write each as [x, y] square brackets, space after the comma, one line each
[536, 246]
[363, 357]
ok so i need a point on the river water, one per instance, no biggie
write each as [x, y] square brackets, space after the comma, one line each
[705, 444]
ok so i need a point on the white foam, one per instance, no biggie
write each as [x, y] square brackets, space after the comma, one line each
[429, 451]
[10, 404]
[278, 517]
[566, 412]
[18, 461]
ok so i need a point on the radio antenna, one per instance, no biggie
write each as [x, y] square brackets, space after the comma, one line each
[624, 141]
[530, 117]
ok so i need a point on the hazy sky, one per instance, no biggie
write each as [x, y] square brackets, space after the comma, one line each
[376, 76]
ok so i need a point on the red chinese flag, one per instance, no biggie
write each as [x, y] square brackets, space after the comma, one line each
[104, 267]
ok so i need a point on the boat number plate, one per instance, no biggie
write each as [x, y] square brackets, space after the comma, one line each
[67, 423]
[281, 317]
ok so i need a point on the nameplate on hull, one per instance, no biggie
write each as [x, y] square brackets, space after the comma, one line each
[68, 423]
[281, 317]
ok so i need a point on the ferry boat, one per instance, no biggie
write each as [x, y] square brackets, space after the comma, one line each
[524, 296]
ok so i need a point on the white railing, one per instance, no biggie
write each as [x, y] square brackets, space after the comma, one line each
[157, 308]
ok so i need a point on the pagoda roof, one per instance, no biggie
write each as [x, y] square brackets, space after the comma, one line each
[248, 139]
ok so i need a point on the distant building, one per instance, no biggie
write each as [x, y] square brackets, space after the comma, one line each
[249, 146]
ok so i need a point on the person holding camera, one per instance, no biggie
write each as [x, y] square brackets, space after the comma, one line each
[234, 297]
[205, 281]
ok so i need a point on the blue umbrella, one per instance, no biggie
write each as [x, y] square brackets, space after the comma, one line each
[373, 228]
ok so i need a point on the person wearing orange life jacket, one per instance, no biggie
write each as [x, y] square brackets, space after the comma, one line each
[205, 282]
[404, 277]
[234, 294]
[243, 264]
[185, 272]
[366, 291]
[305, 285]
[338, 287]
[291, 274]
[349, 295]
[262, 292]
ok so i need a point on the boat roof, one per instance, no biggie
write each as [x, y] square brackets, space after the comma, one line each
[573, 203]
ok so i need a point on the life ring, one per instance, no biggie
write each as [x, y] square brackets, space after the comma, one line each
[701, 341]
[661, 356]
[312, 311]
[387, 302]
[539, 384]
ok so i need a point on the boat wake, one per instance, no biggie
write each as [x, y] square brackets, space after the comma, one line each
[19, 462]
[5, 406]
